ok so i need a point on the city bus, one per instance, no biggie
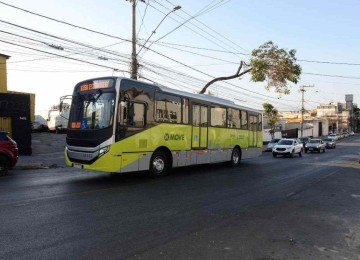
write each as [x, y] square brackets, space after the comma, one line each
[119, 125]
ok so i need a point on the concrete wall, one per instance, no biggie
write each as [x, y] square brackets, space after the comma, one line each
[267, 135]
[3, 76]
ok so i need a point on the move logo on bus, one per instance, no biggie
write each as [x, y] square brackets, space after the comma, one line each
[174, 137]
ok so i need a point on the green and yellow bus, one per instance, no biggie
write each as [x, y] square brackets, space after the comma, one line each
[121, 125]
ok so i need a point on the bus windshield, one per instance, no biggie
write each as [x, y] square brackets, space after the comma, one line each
[92, 110]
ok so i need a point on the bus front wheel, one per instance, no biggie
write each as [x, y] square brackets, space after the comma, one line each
[158, 164]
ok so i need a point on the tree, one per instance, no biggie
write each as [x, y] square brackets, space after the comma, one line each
[268, 62]
[355, 118]
[273, 117]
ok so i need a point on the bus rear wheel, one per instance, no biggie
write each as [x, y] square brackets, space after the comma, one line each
[235, 157]
[158, 164]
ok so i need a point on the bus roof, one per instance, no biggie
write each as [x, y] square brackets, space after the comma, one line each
[201, 97]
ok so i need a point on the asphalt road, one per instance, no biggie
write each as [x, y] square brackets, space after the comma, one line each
[268, 208]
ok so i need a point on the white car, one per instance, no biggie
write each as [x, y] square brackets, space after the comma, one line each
[287, 147]
[333, 136]
[271, 144]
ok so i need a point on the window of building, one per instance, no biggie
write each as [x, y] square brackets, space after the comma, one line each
[218, 116]
[233, 118]
[167, 108]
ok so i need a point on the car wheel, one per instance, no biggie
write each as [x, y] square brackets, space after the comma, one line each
[292, 154]
[235, 157]
[158, 164]
[4, 165]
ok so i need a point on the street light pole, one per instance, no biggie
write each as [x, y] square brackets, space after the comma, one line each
[154, 31]
[134, 54]
[302, 89]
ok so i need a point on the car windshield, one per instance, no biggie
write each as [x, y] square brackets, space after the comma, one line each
[314, 141]
[304, 139]
[285, 142]
[328, 139]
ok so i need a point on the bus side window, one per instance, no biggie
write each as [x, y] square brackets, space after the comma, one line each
[244, 120]
[137, 114]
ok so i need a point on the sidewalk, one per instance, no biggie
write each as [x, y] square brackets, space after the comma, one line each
[47, 152]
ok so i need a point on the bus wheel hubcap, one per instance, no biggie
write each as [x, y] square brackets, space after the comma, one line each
[159, 164]
[236, 157]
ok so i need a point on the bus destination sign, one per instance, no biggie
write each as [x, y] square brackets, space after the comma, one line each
[95, 85]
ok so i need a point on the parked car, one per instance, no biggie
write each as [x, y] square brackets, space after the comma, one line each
[351, 133]
[315, 145]
[340, 136]
[38, 127]
[334, 136]
[8, 153]
[329, 143]
[287, 147]
[304, 140]
[271, 144]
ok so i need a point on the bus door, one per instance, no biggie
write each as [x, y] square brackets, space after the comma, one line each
[253, 131]
[200, 126]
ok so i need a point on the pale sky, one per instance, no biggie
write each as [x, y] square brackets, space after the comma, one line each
[210, 44]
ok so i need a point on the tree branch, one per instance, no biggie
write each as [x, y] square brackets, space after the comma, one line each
[236, 75]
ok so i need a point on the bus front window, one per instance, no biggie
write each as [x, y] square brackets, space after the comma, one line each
[93, 110]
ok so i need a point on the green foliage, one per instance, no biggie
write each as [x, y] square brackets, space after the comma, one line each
[275, 65]
[273, 117]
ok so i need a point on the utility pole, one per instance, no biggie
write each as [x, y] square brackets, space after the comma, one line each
[302, 89]
[134, 54]
[134, 64]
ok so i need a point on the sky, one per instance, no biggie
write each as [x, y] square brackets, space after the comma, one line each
[202, 40]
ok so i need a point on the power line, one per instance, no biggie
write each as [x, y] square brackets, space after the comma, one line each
[108, 35]
[62, 56]
[150, 50]
[142, 19]
[332, 76]
[59, 21]
[330, 62]
[206, 26]
[196, 32]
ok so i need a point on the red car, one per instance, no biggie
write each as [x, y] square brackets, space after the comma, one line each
[8, 153]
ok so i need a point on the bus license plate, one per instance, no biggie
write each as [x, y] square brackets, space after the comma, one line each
[78, 165]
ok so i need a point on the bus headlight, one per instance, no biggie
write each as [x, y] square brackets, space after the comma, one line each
[104, 150]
